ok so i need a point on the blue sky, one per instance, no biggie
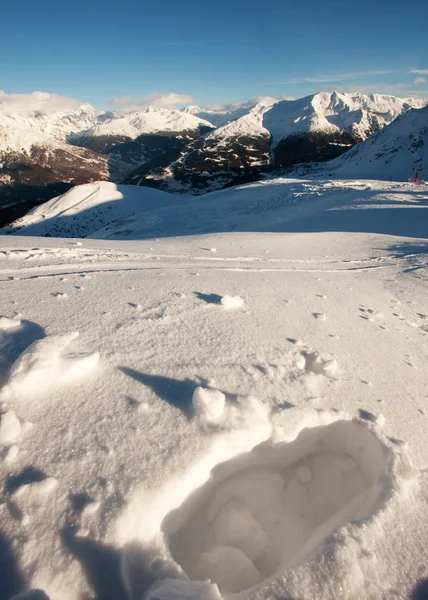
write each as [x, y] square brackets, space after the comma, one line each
[216, 52]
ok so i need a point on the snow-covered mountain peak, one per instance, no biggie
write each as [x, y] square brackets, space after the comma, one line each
[250, 124]
[150, 119]
[192, 110]
[223, 115]
[58, 124]
[332, 112]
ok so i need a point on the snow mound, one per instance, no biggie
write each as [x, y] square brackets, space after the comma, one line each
[208, 404]
[315, 363]
[267, 510]
[6, 323]
[32, 495]
[231, 302]
[10, 427]
[42, 365]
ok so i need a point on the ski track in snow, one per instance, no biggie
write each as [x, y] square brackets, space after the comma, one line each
[103, 447]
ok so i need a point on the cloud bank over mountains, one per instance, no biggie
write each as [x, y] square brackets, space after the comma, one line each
[168, 100]
[36, 102]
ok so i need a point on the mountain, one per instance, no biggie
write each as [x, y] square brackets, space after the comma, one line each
[45, 152]
[35, 164]
[392, 153]
[59, 124]
[270, 136]
[230, 112]
[153, 136]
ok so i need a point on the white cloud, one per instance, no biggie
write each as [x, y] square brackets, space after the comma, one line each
[168, 100]
[398, 89]
[419, 71]
[419, 80]
[236, 105]
[335, 78]
[36, 102]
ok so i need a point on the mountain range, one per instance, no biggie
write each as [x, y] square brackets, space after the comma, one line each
[190, 151]
[107, 210]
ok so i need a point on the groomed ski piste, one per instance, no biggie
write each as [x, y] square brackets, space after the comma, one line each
[216, 398]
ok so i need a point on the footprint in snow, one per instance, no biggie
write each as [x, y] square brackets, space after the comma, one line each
[254, 514]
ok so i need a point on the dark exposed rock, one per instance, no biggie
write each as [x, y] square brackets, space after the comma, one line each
[126, 154]
[206, 165]
[312, 147]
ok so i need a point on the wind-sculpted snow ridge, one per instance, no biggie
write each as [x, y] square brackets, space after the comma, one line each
[43, 366]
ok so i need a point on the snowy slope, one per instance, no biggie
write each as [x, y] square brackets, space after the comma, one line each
[392, 153]
[106, 210]
[242, 408]
[85, 209]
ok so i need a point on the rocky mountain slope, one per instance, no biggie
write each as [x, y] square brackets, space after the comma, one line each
[270, 136]
[153, 136]
[43, 153]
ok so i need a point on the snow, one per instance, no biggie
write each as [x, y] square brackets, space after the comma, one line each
[180, 450]
[10, 427]
[231, 302]
[108, 211]
[43, 365]
[108, 204]
[258, 516]
[8, 323]
[208, 404]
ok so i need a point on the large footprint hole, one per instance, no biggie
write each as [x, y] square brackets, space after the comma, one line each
[270, 508]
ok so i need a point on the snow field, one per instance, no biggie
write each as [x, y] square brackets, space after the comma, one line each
[201, 417]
